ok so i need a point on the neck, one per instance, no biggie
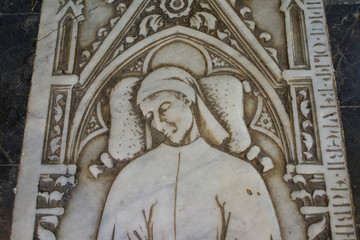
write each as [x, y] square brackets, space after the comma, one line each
[192, 135]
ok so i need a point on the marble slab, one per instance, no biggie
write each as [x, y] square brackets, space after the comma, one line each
[183, 119]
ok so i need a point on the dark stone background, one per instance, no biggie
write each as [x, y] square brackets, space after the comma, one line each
[19, 20]
[344, 29]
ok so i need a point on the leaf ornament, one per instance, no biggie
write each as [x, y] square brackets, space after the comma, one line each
[205, 19]
[151, 22]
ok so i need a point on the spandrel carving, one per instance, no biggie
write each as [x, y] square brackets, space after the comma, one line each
[179, 119]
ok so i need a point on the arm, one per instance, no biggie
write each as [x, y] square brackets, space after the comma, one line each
[252, 211]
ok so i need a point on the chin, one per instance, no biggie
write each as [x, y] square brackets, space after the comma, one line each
[176, 140]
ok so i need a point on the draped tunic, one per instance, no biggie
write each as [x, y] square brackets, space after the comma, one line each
[190, 192]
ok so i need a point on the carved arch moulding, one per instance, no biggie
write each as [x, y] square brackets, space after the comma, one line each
[208, 119]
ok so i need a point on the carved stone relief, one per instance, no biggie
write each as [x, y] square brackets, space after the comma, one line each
[183, 119]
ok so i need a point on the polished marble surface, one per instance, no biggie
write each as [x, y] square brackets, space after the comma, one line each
[18, 33]
[350, 118]
[27, 28]
[343, 22]
[8, 175]
[18, 42]
[20, 7]
[344, 29]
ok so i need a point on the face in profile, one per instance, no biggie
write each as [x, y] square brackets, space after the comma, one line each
[170, 113]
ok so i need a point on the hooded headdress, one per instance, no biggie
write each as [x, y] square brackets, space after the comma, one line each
[176, 79]
[126, 138]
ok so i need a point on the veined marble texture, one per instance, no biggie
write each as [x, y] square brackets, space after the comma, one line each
[183, 119]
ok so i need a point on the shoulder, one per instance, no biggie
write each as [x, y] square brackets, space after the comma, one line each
[143, 167]
[236, 169]
[144, 161]
[241, 181]
[234, 163]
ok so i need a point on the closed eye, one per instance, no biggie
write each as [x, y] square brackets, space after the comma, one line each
[164, 107]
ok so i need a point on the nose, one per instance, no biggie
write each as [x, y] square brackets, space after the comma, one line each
[161, 124]
[158, 122]
[162, 118]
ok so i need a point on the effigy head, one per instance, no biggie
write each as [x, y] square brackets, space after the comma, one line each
[172, 101]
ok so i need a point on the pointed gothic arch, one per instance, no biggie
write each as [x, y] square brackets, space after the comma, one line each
[179, 33]
[295, 33]
[242, 34]
[306, 95]
[64, 61]
[68, 17]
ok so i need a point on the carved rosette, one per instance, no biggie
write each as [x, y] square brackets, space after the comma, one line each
[95, 124]
[176, 8]
[137, 66]
[164, 14]
[217, 61]
[264, 123]
[315, 171]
